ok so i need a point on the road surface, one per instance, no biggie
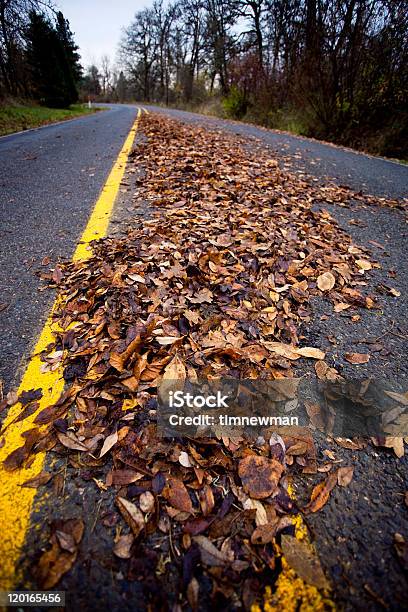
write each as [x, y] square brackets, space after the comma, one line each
[50, 179]
[375, 175]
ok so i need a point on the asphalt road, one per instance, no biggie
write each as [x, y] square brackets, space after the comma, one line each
[49, 180]
[370, 174]
[354, 532]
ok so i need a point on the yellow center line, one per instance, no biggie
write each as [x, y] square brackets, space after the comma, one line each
[16, 502]
[291, 593]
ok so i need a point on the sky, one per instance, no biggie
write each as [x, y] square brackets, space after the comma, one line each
[97, 24]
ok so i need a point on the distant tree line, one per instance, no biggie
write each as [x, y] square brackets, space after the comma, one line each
[337, 68]
[38, 55]
[106, 83]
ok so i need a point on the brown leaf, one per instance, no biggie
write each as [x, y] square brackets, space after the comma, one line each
[57, 275]
[37, 481]
[175, 370]
[321, 368]
[345, 476]
[397, 445]
[206, 500]
[341, 306]
[123, 545]
[119, 360]
[401, 548]
[260, 476]
[192, 593]
[177, 495]
[326, 281]
[131, 514]
[53, 564]
[123, 477]
[357, 358]
[210, 555]
[146, 502]
[108, 443]
[401, 398]
[312, 353]
[302, 557]
[264, 534]
[66, 541]
[292, 352]
[284, 350]
[363, 264]
[71, 441]
[321, 493]
[17, 458]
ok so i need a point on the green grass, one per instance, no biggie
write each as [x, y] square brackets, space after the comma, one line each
[16, 118]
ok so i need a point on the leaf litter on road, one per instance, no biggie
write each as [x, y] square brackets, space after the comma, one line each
[216, 281]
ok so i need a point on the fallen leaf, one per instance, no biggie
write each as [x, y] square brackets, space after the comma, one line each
[345, 476]
[123, 545]
[302, 557]
[184, 460]
[146, 502]
[177, 495]
[357, 358]
[137, 278]
[207, 501]
[326, 281]
[132, 515]
[341, 306]
[397, 445]
[66, 541]
[363, 264]
[313, 353]
[71, 442]
[321, 493]
[401, 398]
[210, 555]
[52, 565]
[123, 477]
[401, 548]
[260, 476]
[108, 443]
[38, 481]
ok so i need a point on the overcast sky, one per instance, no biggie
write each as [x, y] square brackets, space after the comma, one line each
[97, 24]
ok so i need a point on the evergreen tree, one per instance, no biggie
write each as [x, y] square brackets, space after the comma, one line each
[70, 48]
[52, 58]
[122, 87]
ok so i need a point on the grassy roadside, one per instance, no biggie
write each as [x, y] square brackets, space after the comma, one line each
[16, 118]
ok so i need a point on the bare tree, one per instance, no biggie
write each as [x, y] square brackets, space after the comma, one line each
[138, 51]
[221, 17]
[338, 64]
[105, 75]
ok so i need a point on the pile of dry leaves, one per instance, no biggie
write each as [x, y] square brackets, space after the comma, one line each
[216, 281]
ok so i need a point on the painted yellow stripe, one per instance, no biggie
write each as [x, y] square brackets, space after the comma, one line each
[16, 502]
[291, 593]
[99, 220]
